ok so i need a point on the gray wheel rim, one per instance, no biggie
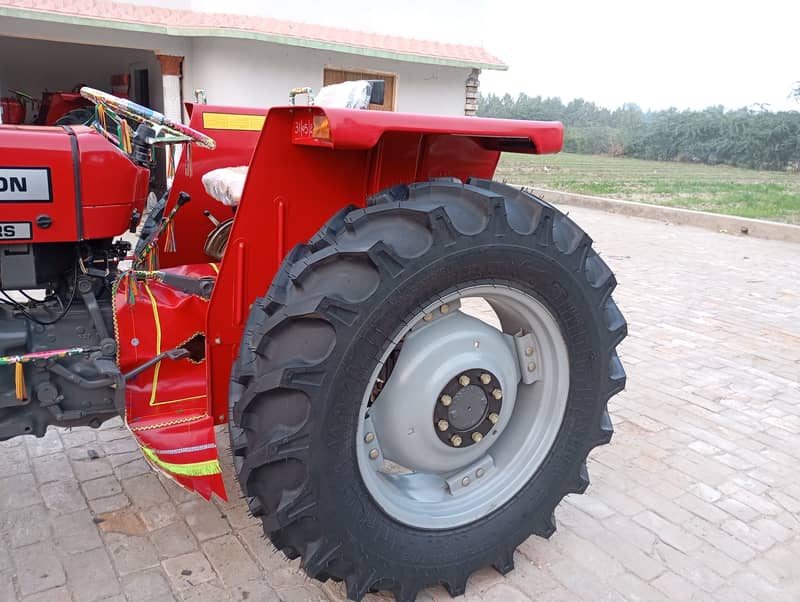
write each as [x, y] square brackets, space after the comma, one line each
[415, 477]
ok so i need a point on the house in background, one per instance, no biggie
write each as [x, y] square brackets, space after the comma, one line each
[428, 53]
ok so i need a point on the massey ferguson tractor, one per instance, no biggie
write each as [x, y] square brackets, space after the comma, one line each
[414, 360]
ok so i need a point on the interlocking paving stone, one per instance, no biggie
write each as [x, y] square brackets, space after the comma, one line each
[697, 497]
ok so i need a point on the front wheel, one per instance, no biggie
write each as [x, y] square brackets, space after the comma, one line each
[422, 384]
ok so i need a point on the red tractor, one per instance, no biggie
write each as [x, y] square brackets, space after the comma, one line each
[415, 360]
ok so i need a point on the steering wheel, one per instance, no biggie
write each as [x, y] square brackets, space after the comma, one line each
[167, 130]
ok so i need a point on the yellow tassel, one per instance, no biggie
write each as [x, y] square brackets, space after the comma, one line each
[101, 113]
[170, 161]
[19, 381]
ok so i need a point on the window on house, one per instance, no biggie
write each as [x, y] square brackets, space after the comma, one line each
[337, 76]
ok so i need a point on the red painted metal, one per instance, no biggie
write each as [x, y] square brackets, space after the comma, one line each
[110, 186]
[166, 406]
[296, 182]
[13, 110]
[234, 148]
[57, 104]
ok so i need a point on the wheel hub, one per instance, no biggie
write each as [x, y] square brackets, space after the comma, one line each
[428, 416]
[468, 408]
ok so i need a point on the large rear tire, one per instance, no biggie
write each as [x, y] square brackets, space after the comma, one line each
[371, 298]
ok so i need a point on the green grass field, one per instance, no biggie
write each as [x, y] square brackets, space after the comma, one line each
[719, 189]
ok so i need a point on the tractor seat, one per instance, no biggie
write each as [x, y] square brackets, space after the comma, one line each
[226, 184]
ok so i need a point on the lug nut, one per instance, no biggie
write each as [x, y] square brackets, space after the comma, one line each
[476, 437]
[369, 438]
[493, 418]
[428, 317]
[455, 440]
[445, 308]
[463, 380]
[497, 394]
[446, 400]
[531, 366]
[529, 351]
[480, 472]
[465, 481]
[443, 425]
[373, 454]
[486, 378]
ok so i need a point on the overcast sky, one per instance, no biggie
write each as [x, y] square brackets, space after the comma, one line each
[657, 53]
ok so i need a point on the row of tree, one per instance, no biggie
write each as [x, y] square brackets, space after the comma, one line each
[748, 137]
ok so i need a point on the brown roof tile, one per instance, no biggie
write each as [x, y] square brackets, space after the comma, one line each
[184, 22]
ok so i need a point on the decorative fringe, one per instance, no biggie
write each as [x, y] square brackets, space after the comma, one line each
[19, 381]
[125, 137]
[101, 115]
[169, 236]
[189, 160]
[170, 150]
[133, 287]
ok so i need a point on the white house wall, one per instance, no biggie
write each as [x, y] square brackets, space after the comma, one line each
[260, 74]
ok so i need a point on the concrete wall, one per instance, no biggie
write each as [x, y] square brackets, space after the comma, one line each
[35, 65]
[260, 74]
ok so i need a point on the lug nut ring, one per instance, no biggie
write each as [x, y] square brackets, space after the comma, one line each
[483, 388]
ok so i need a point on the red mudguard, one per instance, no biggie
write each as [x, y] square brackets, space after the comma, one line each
[167, 406]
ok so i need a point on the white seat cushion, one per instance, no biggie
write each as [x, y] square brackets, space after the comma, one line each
[226, 184]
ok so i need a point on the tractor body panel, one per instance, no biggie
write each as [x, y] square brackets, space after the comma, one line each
[67, 183]
[236, 131]
[300, 175]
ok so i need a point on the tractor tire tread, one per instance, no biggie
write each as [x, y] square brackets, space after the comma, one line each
[271, 437]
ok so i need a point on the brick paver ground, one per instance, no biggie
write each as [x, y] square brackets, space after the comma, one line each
[697, 497]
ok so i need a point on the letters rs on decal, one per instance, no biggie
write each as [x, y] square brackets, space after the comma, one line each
[25, 185]
[15, 231]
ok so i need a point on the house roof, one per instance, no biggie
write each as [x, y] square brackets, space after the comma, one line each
[189, 23]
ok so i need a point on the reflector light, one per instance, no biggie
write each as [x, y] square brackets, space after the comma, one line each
[322, 129]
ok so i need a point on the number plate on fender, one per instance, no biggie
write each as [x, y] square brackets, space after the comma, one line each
[15, 231]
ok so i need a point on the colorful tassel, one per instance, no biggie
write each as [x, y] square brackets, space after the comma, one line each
[188, 152]
[170, 150]
[19, 381]
[133, 286]
[101, 115]
[169, 236]
[125, 137]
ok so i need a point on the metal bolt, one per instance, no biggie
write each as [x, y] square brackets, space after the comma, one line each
[446, 400]
[369, 438]
[373, 454]
[443, 425]
[445, 308]
[480, 472]
[463, 380]
[486, 378]
[529, 351]
[476, 437]
[531, 366]
[493, 418]
[455, 440]
[218, 341]
[465, 481]
[497, 394]
[428, 317]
